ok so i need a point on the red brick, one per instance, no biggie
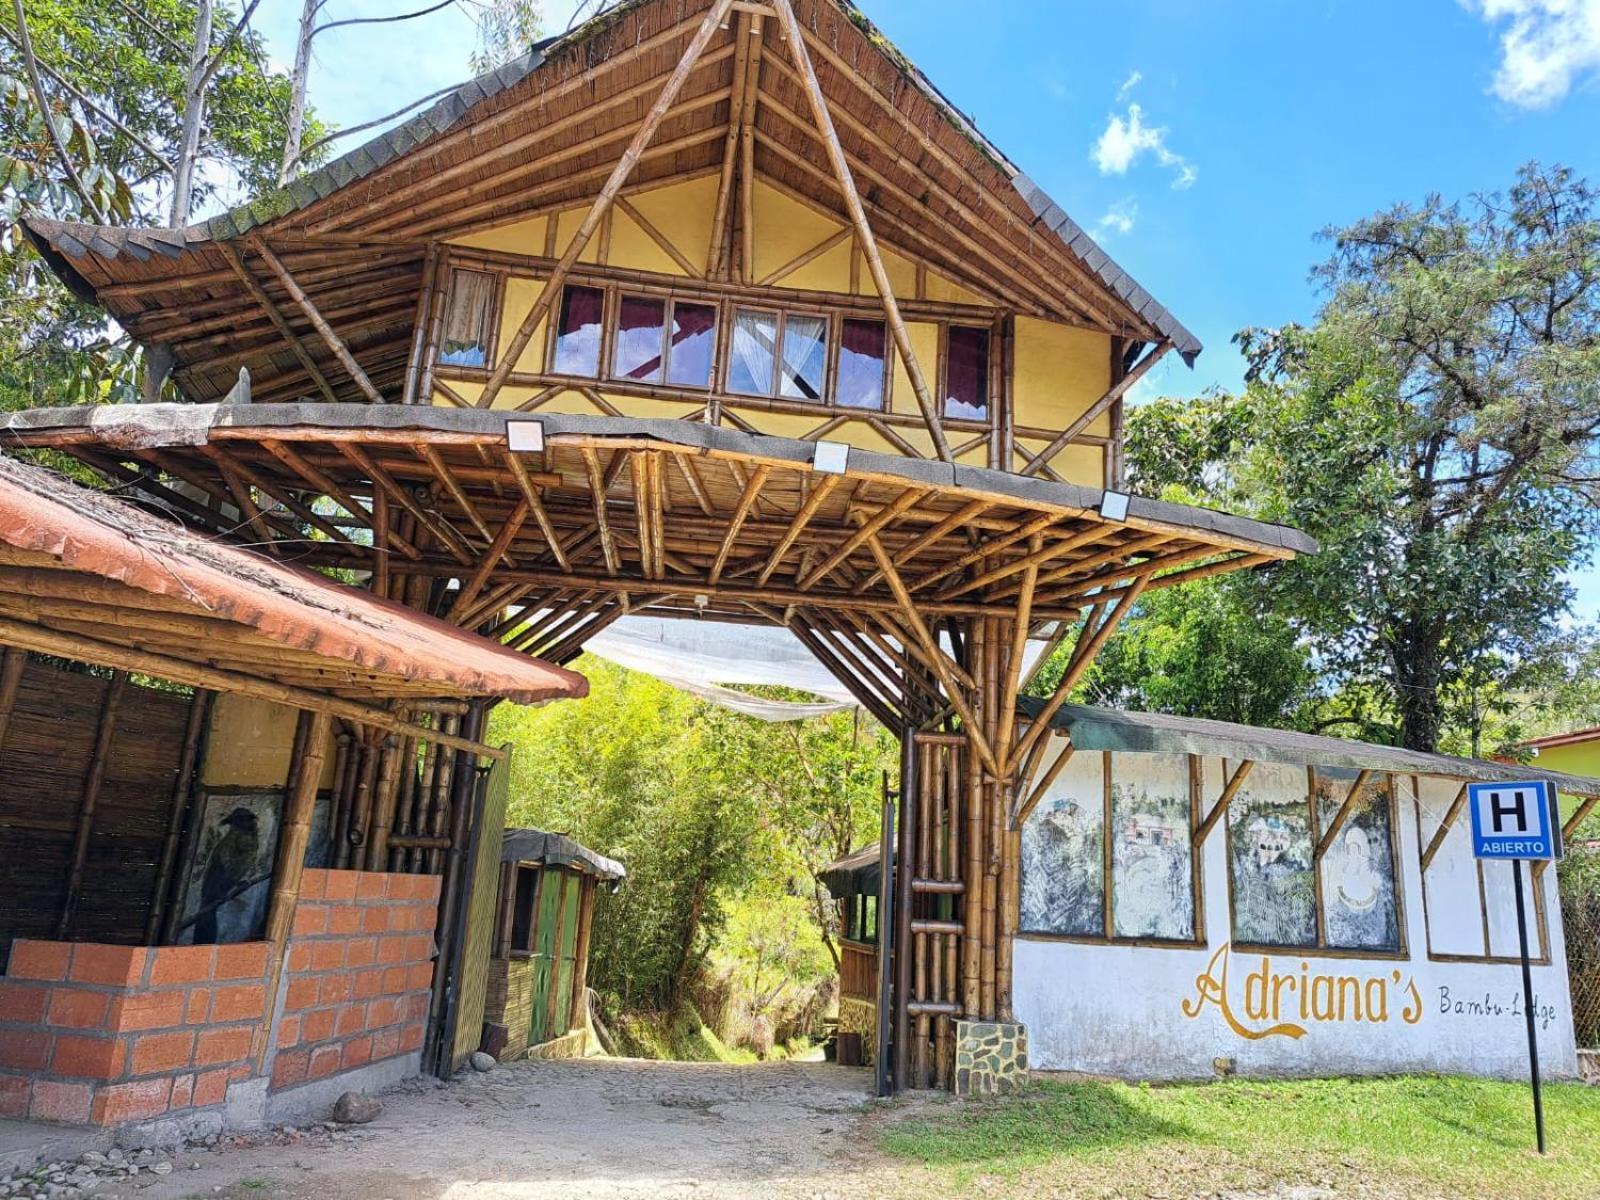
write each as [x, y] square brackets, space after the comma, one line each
[288, 1031]
[351, 1019]
[23, 1002]
[302, 994]
[309, 920]
[344, 918]
[210, 1087]
[117, 966]
[39, 960]
[222, 1046]
[289, 1068]
[87, 1057]
[182, 1091]
[375, 920]
[328, 955]
[428, 888]
[14, 1093]
[368, 983]
[244, 961]
[243, 1002]
[171, 965]
[419, 947]
[385, 1044]
[67, 1103]
[340, 885]
[153, 1010]
[372, 885]
[420, 976]
[408, 887]
[24, 1050]
[300, 957]
[162, 1052]
[313, 884]
[324, 1061]
[318, 1026]
[137, 1101]
[361, 952]
[411, 1037]
[383, 1012]
[335, 988]
[357, 1052]
[394, 980]
[198, 1008]
[73, 1008]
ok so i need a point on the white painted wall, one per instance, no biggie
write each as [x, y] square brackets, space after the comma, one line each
[1120, 1009]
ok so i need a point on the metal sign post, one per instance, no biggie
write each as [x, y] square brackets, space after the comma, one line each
[1517, 822]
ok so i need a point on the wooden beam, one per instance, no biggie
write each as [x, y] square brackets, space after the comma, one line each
[89, 800]
[1029, 563]
[597, 489]
[441, 529]
[1089, 415]
[279, 321]
[864, 236]
[1019, 818]
[325, 484]
[1584, 809]
[1343, 815]
[659, 238]
[324, 330]
[490, 560]
[906, 499]
[602, 203]
[1443, 831]
[430, 454]
[1229, 791]
[747, 499]
[531, 497]
[802, 517]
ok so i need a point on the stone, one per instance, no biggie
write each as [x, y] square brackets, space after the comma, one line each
[481, 1061]
[356, 1108]
[162, 1168]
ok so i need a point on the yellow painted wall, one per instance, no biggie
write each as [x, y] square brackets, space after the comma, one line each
[249, 744]
[1059, 370]
[1579, 758]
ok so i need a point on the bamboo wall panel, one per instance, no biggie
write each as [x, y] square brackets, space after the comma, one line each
[481, 906]
[43, 763]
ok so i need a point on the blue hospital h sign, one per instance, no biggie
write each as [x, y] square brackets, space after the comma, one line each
[1514, 820]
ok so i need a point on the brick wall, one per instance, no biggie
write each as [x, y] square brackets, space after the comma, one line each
[101, 1035]
[360, 973]
[508, 1001]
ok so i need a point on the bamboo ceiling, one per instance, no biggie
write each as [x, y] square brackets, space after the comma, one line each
[541, 135]
[668, 517]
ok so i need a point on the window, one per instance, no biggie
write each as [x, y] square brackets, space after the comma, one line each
[691, 344]
[1311, 863]
[577, 349]
[664, 341]
[1142, 883]
[465, 341]
[778, 354]
[862, 353]
[966, 373]
[861, 917]
[527, 890]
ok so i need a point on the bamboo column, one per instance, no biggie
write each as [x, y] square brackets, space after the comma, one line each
[313, 735]
[92, 783]
[182, 785]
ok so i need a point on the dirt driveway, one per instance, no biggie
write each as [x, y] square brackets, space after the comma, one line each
[602, 1127]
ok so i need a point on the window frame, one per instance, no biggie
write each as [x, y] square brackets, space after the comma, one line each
[1320, 947]
[1109, 936]
[491, 318]
[608, 326]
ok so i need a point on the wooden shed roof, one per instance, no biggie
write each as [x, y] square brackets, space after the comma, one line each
[541, 134]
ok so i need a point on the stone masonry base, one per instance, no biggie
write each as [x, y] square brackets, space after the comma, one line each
[991, 1057]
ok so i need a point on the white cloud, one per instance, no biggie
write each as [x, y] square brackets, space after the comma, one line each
[1118, 219]
[1127, 139]
[1546, 48]
[1128, 84]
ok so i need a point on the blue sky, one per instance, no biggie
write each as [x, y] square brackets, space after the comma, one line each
[1204, 143]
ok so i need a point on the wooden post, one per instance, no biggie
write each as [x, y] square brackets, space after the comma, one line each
[324, 330]
[602, 203]
[279, 321]
[864, 235]
[900, 860]
[92, 783]
[291, 864]
[199, 710]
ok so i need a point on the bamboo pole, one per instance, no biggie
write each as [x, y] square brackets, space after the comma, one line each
[182, 790]
[858, 218]
[279, 321]
[324, 330]
[602, 203]
[93, 781]
[290, 866]
[11, 669]
[1086, 418]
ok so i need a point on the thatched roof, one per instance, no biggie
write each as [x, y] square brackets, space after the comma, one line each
[542, 133]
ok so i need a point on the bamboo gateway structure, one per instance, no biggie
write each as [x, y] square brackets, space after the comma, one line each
[713, 309]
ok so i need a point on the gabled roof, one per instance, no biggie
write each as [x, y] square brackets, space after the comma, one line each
[542, 132]
[69, 552]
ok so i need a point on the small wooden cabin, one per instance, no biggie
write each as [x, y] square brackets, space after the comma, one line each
[855, 882]
[538, 974]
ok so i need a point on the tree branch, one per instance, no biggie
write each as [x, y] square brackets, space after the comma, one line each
[215, 62]
[36, 86]
[383, 120]
[421, 12]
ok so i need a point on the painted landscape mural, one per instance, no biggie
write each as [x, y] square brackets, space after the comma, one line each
[1358, 881]
[1270, 851]
[1063, 864]
[1152, 881]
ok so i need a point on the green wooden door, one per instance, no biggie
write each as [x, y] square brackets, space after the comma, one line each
[547, 908]
[566, 956]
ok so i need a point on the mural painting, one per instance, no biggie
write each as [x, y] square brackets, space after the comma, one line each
[229, 873]
[1152, 879]
[1063, 864]
[1358, 877]
[1270, 850]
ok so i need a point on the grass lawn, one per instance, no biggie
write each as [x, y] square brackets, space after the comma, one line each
[1405, 1137]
